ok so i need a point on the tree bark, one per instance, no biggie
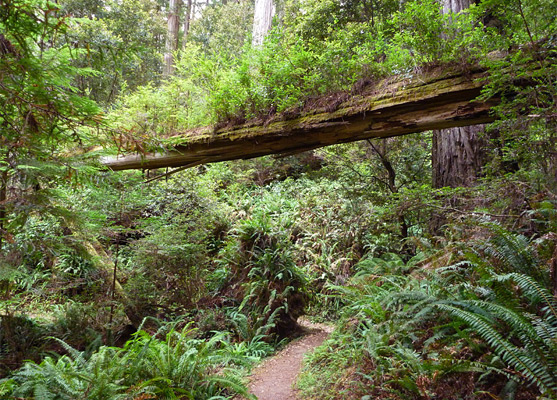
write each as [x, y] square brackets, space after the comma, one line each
[262, 20]
[457, 153]
[172, 37]
[187, 22]
[455, 5]
[457, 156]
[3, 199]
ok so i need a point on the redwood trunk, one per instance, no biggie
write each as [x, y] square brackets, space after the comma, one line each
[172, 37]
[262, 19]
[457, 156]
[457, 153]
[187, 22]
[456, 5]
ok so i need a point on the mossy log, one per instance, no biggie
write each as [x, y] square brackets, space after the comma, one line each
[389, 108]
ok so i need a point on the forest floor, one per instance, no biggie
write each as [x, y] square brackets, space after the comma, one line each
[274, 379]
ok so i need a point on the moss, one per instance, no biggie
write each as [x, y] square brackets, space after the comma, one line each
[359, 104]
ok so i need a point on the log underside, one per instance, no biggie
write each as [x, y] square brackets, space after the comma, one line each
[388, 109]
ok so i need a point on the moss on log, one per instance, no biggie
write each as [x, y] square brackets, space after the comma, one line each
[388, 108]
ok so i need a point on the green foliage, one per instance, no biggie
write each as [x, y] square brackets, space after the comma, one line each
[168, 267]
[372, 341]
[322, 18]
[246, 247]
[409, 336]
[20, 337]
[43, 114]
[77, 323]
[322, 47]
[525, 113]
[273, 290]
[222, 29]
[37, 94]
[173, 367]
[181, 228]
[534, 359]
[518, 307]
[123, 41]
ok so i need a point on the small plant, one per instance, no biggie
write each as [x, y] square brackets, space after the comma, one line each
[21, 339]
[512, 308]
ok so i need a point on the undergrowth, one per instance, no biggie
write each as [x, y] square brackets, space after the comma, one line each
[169, 364]
[487, 322]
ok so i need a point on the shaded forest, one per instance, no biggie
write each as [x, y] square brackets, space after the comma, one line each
[432, 255]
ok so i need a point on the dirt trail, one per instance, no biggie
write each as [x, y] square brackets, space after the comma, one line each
[275, 377]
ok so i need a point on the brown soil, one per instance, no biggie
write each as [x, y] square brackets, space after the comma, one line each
[274, 379]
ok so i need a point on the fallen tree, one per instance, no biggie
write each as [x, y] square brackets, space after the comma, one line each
[392, 107]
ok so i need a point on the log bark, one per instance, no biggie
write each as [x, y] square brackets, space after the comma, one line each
[389, 108]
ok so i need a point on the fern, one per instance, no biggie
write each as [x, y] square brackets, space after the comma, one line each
[506, 252]
[535, 291]
[534, 369]
[177, 367]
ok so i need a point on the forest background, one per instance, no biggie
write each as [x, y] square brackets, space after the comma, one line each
[434, 254]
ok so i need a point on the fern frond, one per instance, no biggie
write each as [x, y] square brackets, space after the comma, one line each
[532, 288]
[514, 356]
[76, 355]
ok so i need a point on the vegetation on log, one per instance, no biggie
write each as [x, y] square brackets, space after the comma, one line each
[389, 108]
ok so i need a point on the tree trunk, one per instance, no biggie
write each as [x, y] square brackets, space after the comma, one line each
[457, 156]
[172, 37]
[391, 181]
[457, 153]
[187, 22]
[262, 19]
[455, 5]
[3, 199]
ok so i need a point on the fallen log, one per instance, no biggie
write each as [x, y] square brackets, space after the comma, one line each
[389, 108]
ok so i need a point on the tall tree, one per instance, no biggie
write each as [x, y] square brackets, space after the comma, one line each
[187, 21]
[172, 37]
[455, 5]
[262, 19]
[457, 155]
